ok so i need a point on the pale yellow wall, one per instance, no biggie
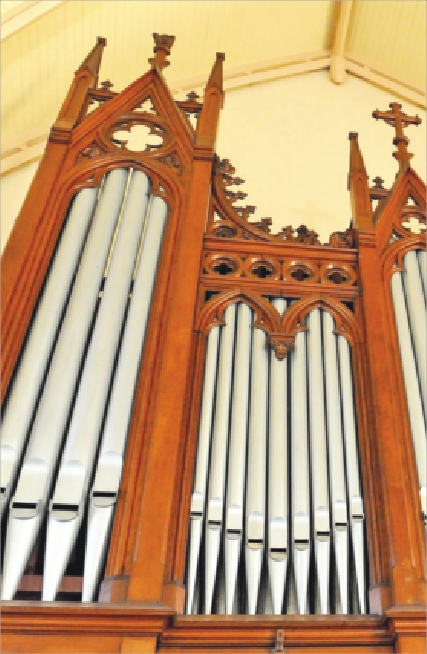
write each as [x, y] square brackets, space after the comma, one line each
[289, 141]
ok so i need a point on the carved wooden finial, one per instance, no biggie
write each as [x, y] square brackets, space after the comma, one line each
[399, 121]
[162, 49]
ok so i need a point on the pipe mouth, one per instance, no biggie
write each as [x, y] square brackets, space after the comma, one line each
[63, 512]
[25, 510]
[255, 543]
[278, 553]
[103, 499]
[323, 536]
[302, 544]
[233, 534]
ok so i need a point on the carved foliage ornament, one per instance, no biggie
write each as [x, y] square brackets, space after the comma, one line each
[281, 330]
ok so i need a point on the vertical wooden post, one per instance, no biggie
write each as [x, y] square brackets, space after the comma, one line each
[167, 427]
[399, 571]
[29, 248]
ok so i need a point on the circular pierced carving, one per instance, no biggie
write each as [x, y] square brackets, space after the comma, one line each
[138, 137]
[337, 275]
[301, 272]
[262, 269]
[223, 265]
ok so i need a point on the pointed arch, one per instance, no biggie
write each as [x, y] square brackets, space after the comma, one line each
[294, 319]
[212, 315]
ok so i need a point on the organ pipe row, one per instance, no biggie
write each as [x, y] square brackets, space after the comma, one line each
[409, 292]
[276, 521]
[84, 351]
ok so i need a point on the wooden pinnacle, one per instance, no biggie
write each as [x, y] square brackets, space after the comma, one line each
[399, 121]
[162, 49]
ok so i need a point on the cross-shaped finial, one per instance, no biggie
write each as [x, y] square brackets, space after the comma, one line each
[379, 183]
[192, 96]
[399, 121]
[107, 85]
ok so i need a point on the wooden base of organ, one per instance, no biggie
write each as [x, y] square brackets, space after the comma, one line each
[205, 267]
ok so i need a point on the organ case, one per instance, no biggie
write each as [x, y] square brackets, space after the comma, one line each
[244, 487]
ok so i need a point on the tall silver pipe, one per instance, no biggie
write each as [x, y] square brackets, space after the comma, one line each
[257, 468]
[29, 501]
[67, 506]
[237, 452]
[40, 342]
[109, 468]
[215, 506]
[319, 472]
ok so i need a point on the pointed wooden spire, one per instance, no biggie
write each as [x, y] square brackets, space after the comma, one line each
[216, 76]
[76, 102]
[213, 102]
[359, 188]
[93, 60]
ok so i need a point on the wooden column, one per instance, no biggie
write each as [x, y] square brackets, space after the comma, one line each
[396, 581]
[153, 520]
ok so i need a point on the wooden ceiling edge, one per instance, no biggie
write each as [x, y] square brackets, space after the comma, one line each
[17, 18]
[30, 146]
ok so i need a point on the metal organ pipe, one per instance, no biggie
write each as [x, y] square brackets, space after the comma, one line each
[354, 487]
[256, 470]
[66, 508]
[215, 503]
[278, 528]
[255, 438]
[413, 288]
[319, 472]
[109, 468]
[237, 453]
[410, 375]
[300, 475]
[336, 459]
[29, 502]
[198, 497]
[422, 263]
[23, 397]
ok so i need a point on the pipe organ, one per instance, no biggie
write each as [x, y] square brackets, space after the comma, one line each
[213, 436]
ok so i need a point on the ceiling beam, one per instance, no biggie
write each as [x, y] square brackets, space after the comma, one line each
[15, 19]
[337, 71]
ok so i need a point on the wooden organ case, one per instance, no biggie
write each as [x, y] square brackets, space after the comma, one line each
[248, 407]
